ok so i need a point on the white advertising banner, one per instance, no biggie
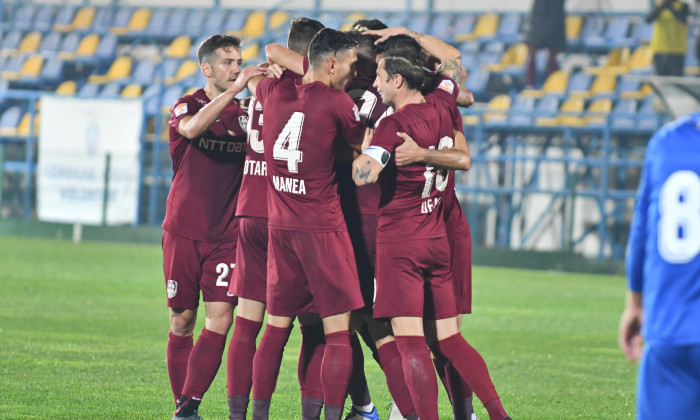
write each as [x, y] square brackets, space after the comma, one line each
[77, 137]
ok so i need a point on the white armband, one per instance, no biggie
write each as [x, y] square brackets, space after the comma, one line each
[378, 153]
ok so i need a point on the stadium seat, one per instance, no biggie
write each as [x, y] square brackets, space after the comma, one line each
[82, 21]
[139, 21]
[10, 120]
[67, 87]
[647, 118]
[279, 18]
[10, 42]
[464, 25]
[158, 23]
[491, 53]
[88, 46]
[496, 112]
[110, 90]
[509, 28]
[121, 19]
[513, 60]
[24, 124]
[574, 23]
[641, 61]
[254, 25]
[107, 48]
[616, 62]
[69, 45]
[556, 85]
[442, 26]
[597, 112]
[251, 52]
[579, 83]
[145, 72]
[50, 44]
[179, 48]
[691, 63]
[132, 90]
[187, 68]
[12, 66]
[194, 24]
[43, 19]
[23, 19]
[235, 22]
[30, 70]
[477, 82]
[569, 112]
[593, 28]
[63, 19]
[119, 70]
[102, 21]
[30, 43]
[622, 115]
[89, 89]
[641, 34]
[175, 22]
[213, 23]
[485, 28]
[615, 34]
[521, 111]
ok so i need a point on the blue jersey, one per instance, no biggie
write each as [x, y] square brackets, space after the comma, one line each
[664, 247]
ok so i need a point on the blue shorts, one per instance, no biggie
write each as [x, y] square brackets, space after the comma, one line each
[669, 382]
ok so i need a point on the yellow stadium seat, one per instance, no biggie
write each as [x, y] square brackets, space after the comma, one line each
[30, 42]
[515, 55]
[617, 61]
[138, 22]
[254, 25]
[23, 126]
[598, 111]
[278, 19]
[603, 84]
[642, 59]
[250, 52]
[486, 26]
[556, 83]
[88, 46]
[179, 48]
[68, 87]
[120, 69]
[81, 22]
[132, 90]
[570, 111]
[643, 92]
[30, 68]
[574, 23]
[496, 111]
[185, 70]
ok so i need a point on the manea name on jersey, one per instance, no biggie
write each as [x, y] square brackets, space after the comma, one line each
[290, 185]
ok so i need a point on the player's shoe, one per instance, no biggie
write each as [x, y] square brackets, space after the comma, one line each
[394, 413]
[186, 409]
[356, 414]
[194, 416]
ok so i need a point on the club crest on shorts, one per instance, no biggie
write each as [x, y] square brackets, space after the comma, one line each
[172, 289]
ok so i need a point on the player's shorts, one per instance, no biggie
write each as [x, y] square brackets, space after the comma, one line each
[311, 272]
[190, 266]
[363, 235]
[459, 236]
[669, 382]
[250, 277]
[414, 279]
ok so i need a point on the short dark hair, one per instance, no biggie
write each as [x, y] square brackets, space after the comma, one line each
[328, 42]
[214, 42]
[365, 44]
[368, 25]
[301, 32]
[402, 46]
[412, 74]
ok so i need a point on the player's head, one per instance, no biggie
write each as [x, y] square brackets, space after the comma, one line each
[366, 56]
[401, 46]
[334, 54]
[362, 25]
[301, 32]
[220, 60]
[397, 74]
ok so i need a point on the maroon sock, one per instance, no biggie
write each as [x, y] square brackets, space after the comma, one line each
[241, 350]
[203, 364]
[237, 407]
[393, 370]
[441, 373]
[177, 354]
[357, 388]
[311, 408]
[267, 361]
[472, 368]
[420, 375]
[336, 368]
[313, 344]
[461, 394]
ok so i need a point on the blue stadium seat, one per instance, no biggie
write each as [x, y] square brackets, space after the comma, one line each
[13, 65]
[69, 44]
[168, 97]
[420, 23]
[195, 22]
[103, 20]
[626, 84]
[477, 82]
[235, 21]
[107, 49]
[509, 28]
[169, 68]
[64, 16]
[623, 113]
[158, 22]
[176, 22]
[615, 35]
[52, 71]
[43, 19]
[464, 24]
[580, 82]
[547, 106]
[491, 53]
[641, 34]
[521, 111]
[10, 42]
[593, 28]
[214, 22]
[691, 64]
[145, 72]
[111, 90]
[89, 89]
[24, 17]
[646, 118]
[121, 17]
[50, 43]
[10, 120]
[442, 26]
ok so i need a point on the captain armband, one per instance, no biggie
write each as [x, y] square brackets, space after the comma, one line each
[378, 153]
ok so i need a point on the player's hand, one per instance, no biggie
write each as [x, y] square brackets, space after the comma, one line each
[246, 74]
[630, 337]
[384, 34]
[409, 152]
[275, 70]
[367, 140]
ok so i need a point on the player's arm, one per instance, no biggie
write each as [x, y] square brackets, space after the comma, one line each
[285, 57]
[630, 336]
[465, 98]
[449, 57]
[193, 126]
[457, 157]
[367, 166]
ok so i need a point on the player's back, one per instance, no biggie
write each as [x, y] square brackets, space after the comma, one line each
[411, 195]
[670, 202]
[301, 123]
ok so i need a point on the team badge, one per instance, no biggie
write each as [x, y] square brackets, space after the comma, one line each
[243, 121]
[356, 112]
[447, 86]
[180, 109]
[172, 289]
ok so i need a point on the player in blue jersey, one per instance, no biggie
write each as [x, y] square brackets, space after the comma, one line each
[663, 267]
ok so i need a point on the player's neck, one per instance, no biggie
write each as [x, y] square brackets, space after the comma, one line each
[408, 97]
[313, 75]
[211, 91]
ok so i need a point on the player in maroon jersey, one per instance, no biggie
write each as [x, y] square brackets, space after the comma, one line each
[250, 278]
[411, 214]
[311, 268]
[207, 146]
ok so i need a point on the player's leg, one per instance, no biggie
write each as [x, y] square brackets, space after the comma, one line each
[180, 343]
[241, 352]
[358, 390]
[337, 364]
[267, 362]
[313, 345]
[417, 365]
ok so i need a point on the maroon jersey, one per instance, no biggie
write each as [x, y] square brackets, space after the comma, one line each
[302, 122]
[253, 196]
[207, 173]
[410, 205]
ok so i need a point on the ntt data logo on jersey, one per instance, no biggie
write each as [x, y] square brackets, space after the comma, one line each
[172, 289]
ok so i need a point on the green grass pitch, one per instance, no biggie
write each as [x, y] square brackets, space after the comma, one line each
[83, 330]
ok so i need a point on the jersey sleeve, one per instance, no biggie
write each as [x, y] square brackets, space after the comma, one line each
[385, 136]
[446, 92]
[263, 89]
[350, 126]
[183, 107]
[638, 229]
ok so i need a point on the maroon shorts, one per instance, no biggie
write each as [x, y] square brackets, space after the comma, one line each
[363, 235]
[311, 272]
[250, 277]
[459, 236]
[414, 279]
[190, 266]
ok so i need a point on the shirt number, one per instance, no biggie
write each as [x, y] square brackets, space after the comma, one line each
[222, 271]
[679, 223]
[439, 175]
[287, 143]
[254, 135]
